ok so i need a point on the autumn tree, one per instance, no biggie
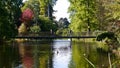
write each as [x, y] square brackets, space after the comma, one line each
[40, 7]
[42, 10]
[26, 17]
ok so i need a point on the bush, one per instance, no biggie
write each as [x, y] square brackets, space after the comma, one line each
[110, 39]
[109, 35]
[7, 30]
[22, 29]
[46, 24]
[63, 32]
[35, 29]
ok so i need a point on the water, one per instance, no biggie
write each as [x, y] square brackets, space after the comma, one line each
[54, 54]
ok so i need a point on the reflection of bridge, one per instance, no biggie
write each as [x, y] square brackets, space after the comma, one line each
[48, 35]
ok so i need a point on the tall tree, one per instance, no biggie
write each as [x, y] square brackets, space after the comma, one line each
[63, 23]
[40, 7]
[83, 15]
[9, 16]
[109, 18]
[108, 13]
[43, 10]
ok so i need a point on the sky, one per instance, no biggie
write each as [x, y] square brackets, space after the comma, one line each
[62, 8]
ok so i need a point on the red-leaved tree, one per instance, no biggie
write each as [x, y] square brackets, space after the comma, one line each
[27, 15]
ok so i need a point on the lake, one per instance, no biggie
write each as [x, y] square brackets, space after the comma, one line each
[58, 53]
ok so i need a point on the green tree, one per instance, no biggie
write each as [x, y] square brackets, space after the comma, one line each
[107, 13]
[46, 24]
[34, 5]
[83, 15]
[43, 10]
[40, 7]
[9, 15]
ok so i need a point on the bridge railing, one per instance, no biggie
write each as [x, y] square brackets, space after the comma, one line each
[38, 34]
[82, 34]
[66, 34]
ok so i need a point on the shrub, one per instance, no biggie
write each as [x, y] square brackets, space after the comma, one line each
[46, 24]
[35, 29]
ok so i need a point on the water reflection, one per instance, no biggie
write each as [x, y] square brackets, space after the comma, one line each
[9, 56]
[53, 54]
[35, 54]
[86, 55]
[62, 53]
[26, 54]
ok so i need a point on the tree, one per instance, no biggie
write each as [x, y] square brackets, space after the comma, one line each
[42, 10]
[46, 24]
[83, 15]
[42, 7]
[34, 5]
[107, 13]
[108, 17]
[26, 17]
[9, 16]
[63, 23]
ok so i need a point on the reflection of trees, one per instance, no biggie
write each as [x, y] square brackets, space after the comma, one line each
[77, 56]
[9, 56]
[36, 54]
[79, 53]
[45, 56]
[26, 55]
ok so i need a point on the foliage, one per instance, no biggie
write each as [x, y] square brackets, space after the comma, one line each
[110, 40]
[44, 6]
[35, 29]
[34, 5]
[63, 23]
[107, 13]
[63, 31]
[96, 14]
[22, 29]
[109, 35]
[46, 24]
[6, 29]
[9, 16]
[42, 9]
[108, 17]
[31, 4]
[83, 15]
[27, 15]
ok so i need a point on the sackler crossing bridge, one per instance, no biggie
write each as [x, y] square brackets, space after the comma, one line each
[53, 36]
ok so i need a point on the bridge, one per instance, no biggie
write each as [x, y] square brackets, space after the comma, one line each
[48, 35]
[51, 37]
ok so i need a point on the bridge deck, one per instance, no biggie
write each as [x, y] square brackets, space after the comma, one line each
[51, 37]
